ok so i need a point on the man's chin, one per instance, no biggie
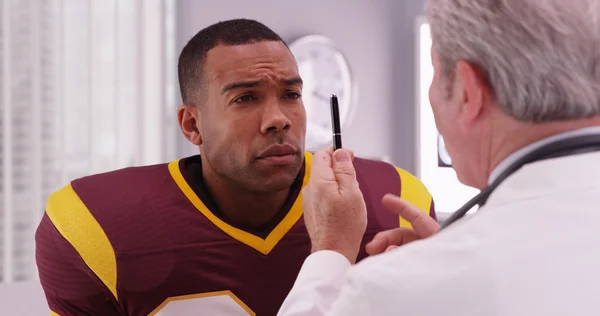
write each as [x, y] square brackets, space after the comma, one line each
[269, 177]
[275, 180]
[274, 184]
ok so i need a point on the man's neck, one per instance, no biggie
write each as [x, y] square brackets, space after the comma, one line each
[242, 208]
[521, 135]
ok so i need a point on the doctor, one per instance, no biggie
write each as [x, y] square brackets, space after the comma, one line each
[513, 79]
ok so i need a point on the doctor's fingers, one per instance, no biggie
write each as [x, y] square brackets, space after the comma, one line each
[321, 166]
[322, 163]
[344, 171]
[421, 222]
[390, 238]
[390, 248]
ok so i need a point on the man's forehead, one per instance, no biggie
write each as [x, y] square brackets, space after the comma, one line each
[225, 61]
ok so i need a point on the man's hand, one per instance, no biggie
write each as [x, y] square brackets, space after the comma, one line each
[423, 226]
[334, 210]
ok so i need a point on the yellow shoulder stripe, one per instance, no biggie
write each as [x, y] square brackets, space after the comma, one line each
[413, 191]
[78, 226]
[53, 314]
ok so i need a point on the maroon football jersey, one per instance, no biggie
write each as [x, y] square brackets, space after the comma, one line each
[142, 241]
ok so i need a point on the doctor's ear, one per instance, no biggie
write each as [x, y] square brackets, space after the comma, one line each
[189, 122]
[475, 91]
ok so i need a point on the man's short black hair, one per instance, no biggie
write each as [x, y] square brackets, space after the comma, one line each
[230, 32]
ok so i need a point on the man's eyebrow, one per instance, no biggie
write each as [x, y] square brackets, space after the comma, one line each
[241, 84]
[251, 84]
[293, 81]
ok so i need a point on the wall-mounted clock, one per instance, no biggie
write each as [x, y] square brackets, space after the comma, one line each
[324, 71]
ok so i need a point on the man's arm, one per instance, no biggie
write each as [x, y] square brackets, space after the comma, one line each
[328, 286]
[318, 285]
[71, 286]
[335, 219]
[423, 278]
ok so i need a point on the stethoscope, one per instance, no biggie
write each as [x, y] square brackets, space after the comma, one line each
[566, 147]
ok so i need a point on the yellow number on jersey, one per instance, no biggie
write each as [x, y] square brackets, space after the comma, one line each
[213, 303]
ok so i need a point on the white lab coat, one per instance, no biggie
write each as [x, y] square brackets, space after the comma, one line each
[532, 249]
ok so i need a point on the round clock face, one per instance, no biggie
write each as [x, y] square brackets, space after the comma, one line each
[324, 71]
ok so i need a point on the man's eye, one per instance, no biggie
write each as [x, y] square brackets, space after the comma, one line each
[245, 98]
[293, 95]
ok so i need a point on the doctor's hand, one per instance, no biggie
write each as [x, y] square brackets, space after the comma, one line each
[334, 210]
[423, 226]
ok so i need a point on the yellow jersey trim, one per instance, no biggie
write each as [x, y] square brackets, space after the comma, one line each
[415, 192]
[263, 246]
[203, 295]
[78, 226]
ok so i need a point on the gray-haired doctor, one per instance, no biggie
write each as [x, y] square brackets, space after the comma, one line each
[516, 97]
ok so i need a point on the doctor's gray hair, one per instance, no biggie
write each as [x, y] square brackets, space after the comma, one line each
[541, 57]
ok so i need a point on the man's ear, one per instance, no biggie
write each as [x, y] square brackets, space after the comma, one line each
[475, 92]
[189, 122]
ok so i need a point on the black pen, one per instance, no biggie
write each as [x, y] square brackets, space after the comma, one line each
[335, 123]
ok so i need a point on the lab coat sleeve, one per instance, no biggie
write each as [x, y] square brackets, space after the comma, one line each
[317, 286]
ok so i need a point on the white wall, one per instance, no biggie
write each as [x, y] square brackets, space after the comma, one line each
[376, 36]
[23, 298]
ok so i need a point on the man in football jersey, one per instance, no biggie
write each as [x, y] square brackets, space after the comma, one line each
[220, 233]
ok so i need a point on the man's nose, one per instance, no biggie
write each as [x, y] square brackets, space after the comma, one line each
[274, 119]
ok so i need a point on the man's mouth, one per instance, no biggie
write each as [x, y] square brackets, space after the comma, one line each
[280, 155]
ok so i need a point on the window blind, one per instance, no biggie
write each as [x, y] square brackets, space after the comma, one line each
[82, 91]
